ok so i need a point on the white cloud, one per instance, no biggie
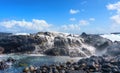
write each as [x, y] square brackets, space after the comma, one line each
[83, 3]
[8, 24]
[72, 19]
[77, 27]
[35, 24]
[115, 6]
[72, 11]
[116, 17]
[40, 22]
[92, 19]
[71, 27]
[83, 22]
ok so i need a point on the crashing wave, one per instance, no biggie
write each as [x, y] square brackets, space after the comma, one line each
[21, 34]
[112, 37]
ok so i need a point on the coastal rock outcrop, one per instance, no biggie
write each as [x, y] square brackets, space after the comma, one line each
[55, 43]
[101, 44]
[114, 49]
[48, 43]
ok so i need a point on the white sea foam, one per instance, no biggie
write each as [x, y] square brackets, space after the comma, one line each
[35, 55]
[21, 34]
[112, 37]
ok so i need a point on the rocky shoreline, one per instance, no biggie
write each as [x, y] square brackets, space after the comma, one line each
[61, 44]
[94, 64]
[58, 44]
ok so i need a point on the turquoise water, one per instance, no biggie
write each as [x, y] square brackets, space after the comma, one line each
[24, 61]
[118, 34]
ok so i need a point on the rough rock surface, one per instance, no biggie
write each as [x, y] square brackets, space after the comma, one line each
[54, 43]
[46, 43]
[93, 64]
[6, 63]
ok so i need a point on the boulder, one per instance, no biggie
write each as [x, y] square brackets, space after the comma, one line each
[1, 50]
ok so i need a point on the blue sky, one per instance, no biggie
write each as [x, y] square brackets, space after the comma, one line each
[71, 16]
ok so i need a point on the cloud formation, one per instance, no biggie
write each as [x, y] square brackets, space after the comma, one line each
[72, 19]
[83, 22]
[92, 19]
[116, 6]
[116, 19]
[35, 24]
[77, 27]
[83, 3]
[73, 11]
[71, 27]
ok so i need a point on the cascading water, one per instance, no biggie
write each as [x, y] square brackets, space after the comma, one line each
[91, 49]
[72, 43]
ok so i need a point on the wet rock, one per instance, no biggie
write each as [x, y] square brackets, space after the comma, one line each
[97, 41]
[3, 65]
[48, 43]
[114, 49]
[93, 64]
[84, 34]
[10, 59]
[57, 52]
[31, 68]
[64, 44]
[26, 70]
[1, 50]
[115, 69]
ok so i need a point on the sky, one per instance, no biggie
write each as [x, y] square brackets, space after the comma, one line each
[69, 16]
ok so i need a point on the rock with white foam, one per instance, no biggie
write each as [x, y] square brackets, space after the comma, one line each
[112, 37]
